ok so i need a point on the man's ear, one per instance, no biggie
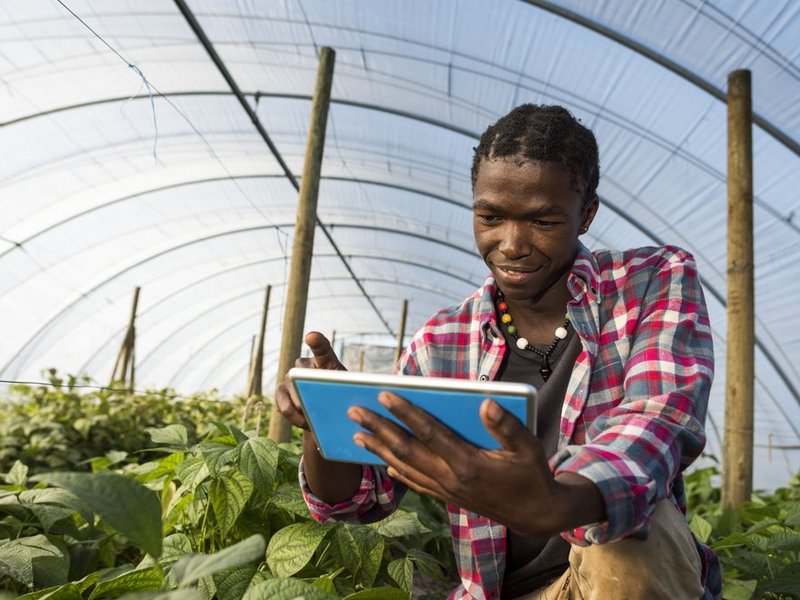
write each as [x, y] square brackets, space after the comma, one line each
[589, 212]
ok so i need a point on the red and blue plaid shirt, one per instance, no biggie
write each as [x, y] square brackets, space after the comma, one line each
[633, 415]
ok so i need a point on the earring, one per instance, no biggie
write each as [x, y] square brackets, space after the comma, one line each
[584, 229]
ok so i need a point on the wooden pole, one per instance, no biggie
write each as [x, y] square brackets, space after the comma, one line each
[126, 353]
[401, 331]
[254, 386]
[361, 360]
[250, 365]
[303, 245]
[737, 459]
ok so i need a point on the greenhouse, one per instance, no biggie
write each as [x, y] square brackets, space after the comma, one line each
[160, 145]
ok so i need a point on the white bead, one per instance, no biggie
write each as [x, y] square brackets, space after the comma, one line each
[521, 343]
[561, 333]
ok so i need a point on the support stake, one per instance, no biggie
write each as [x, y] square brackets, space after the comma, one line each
[737, 459]
[303, 245]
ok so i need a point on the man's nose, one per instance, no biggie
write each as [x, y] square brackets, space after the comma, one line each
[515, 242]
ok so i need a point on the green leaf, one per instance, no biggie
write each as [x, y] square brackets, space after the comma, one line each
[123, 503]
[176, 546]
[192, 472]
[379, 593]
[793, 515]
[289, 497]
[361, 550]
[426, 564]
[233, 583]
[17, 557]
[287, 589]
[292, 547]
[140, 580]
[258, 459]
[734, 589]
[57, 497]
[49, 515]
[701, 528]
[784, 541]
[191, 568]
[229, 492]
[786, 582]
[188, 594]
[51, 568]
[217, 454]
[400, 523]
[69, 591]
[165, 466]
[402, 573]
[325, 583]
[171, 435]
[101, 575]
[18, 474]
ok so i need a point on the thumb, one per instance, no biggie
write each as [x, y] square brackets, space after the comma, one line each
[507, 429]
[324, 356]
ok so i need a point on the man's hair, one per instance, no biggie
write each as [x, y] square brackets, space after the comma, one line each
[541, 133]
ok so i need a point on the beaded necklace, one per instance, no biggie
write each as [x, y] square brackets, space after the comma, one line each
[561, 333]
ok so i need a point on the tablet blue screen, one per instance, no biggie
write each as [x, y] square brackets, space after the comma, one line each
[326, 407]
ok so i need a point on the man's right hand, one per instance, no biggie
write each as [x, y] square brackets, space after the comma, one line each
[323, 358]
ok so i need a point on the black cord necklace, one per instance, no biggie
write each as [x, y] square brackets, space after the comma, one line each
[561, 333]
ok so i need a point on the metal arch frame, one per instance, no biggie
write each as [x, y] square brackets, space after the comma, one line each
[665, 62]
[173, 248]
[250, 264]
[617, 120]
[221, 178]
[635, 223]
[239, 322]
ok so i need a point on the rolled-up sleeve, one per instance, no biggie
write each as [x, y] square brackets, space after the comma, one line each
[377, 497]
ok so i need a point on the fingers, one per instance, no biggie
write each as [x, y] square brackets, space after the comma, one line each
[324, 356]
[289, 407]
[507, 429]
[408, 459]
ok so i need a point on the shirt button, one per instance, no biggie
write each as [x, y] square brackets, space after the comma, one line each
[484, 377]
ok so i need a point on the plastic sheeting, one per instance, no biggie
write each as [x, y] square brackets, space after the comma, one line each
[127, 161]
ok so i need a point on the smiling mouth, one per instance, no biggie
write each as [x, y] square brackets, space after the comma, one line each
[514, 271]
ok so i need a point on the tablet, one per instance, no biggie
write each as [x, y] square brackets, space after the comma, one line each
[325, 396]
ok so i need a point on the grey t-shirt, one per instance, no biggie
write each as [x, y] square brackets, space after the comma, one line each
[532, 562]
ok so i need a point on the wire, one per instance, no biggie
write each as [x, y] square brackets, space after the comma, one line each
[172, 396]
[150, 87]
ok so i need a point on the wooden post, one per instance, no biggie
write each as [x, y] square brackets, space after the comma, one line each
[250, 365]
[126, 356]
[303, 245]
[254, 385]
[361, 361]
[401, 331]
[737, 459]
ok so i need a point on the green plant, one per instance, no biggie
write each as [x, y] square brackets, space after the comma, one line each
[220, 518]
[758, 544]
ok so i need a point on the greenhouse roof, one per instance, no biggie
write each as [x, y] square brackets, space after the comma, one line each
[129, 161]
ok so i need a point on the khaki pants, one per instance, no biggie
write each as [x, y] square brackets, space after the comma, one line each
[664, 566]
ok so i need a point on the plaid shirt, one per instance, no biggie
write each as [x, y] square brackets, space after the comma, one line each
[633, 414]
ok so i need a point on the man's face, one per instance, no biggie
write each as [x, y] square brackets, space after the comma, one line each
[527, 217]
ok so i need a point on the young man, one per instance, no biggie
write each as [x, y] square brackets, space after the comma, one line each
[618, 345]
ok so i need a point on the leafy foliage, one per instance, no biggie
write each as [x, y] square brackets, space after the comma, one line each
[59, 428]
[758, 544]
[219, 517]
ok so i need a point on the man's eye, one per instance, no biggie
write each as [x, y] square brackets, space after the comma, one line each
[545, 224]
[489, 219]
